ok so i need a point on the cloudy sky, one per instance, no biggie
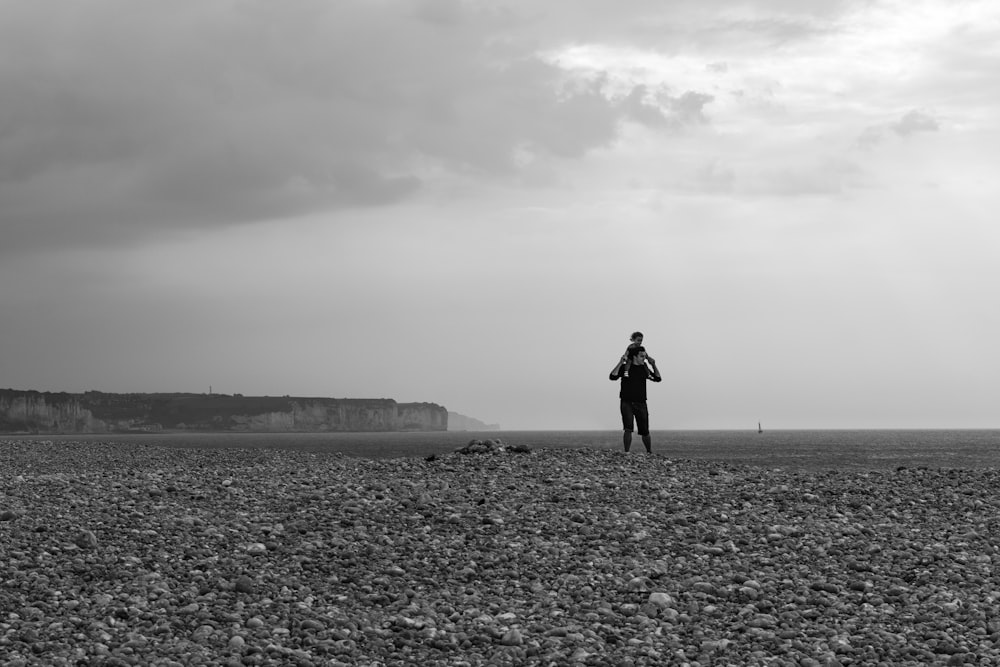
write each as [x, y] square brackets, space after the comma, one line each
[474, 203]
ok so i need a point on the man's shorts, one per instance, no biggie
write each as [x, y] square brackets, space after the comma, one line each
[637, 413]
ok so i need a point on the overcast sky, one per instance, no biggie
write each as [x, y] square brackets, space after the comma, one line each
[474, 203]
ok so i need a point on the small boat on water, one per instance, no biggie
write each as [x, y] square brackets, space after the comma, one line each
[759, 429]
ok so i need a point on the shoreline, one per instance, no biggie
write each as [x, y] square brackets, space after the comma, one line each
[158, 555]
[801, 450]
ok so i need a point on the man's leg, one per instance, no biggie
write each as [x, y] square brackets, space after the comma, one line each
[642, 422]
[628, 421]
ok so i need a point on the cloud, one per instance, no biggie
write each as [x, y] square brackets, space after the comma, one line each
[639, 108]
[663, 109]
[871, 137]
[770, 32]
[714, 177]
[911, 123]
[685, 24]
[125, 116]
[689, 107]
[828, 177]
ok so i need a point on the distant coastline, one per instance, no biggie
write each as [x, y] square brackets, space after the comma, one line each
[28, 411]
[457, 422]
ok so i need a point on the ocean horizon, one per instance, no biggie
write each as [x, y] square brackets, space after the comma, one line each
[872, 449]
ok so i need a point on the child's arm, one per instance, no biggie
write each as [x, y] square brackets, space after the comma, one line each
[656, 377]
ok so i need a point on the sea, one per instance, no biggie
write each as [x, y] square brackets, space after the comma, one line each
[788, 449]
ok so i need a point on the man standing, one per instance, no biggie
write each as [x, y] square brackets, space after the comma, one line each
[633, 393]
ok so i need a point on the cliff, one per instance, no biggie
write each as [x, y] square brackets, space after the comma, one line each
[457, 422]
[99, 412]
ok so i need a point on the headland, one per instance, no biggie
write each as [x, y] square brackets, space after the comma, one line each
[100, 412]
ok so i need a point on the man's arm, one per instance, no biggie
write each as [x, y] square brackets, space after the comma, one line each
[617, 370]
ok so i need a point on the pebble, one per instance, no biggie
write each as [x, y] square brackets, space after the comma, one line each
[85, 539]
[661, 599]
[167, 556]
[243, 584]
[512, 638]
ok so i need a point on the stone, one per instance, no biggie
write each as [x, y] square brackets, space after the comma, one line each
[641, 584]
[763, 621]
[512, 638]
[256, 548]
[661, 599]
[85, 539]
[243, 584]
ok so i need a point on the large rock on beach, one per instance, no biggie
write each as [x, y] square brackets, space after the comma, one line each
[491, 446]
[134, 554]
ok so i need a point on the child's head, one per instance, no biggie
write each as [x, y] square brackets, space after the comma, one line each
[636, 337]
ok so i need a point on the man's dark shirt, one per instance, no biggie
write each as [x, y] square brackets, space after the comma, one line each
[634, 386]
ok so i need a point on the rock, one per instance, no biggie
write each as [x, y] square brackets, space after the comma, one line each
[707, 588]
[512, 638]
[661, 599]
[763, 621]
[641, 584]
[256, 548]
[826, 586]
[477, 447]
[85, 539]
[244, 584]
[8, 515]
[494, 445]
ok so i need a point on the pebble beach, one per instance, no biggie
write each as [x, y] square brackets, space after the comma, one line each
[130, 554]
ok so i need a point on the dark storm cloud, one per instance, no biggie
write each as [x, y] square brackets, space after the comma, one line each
[124, 116]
